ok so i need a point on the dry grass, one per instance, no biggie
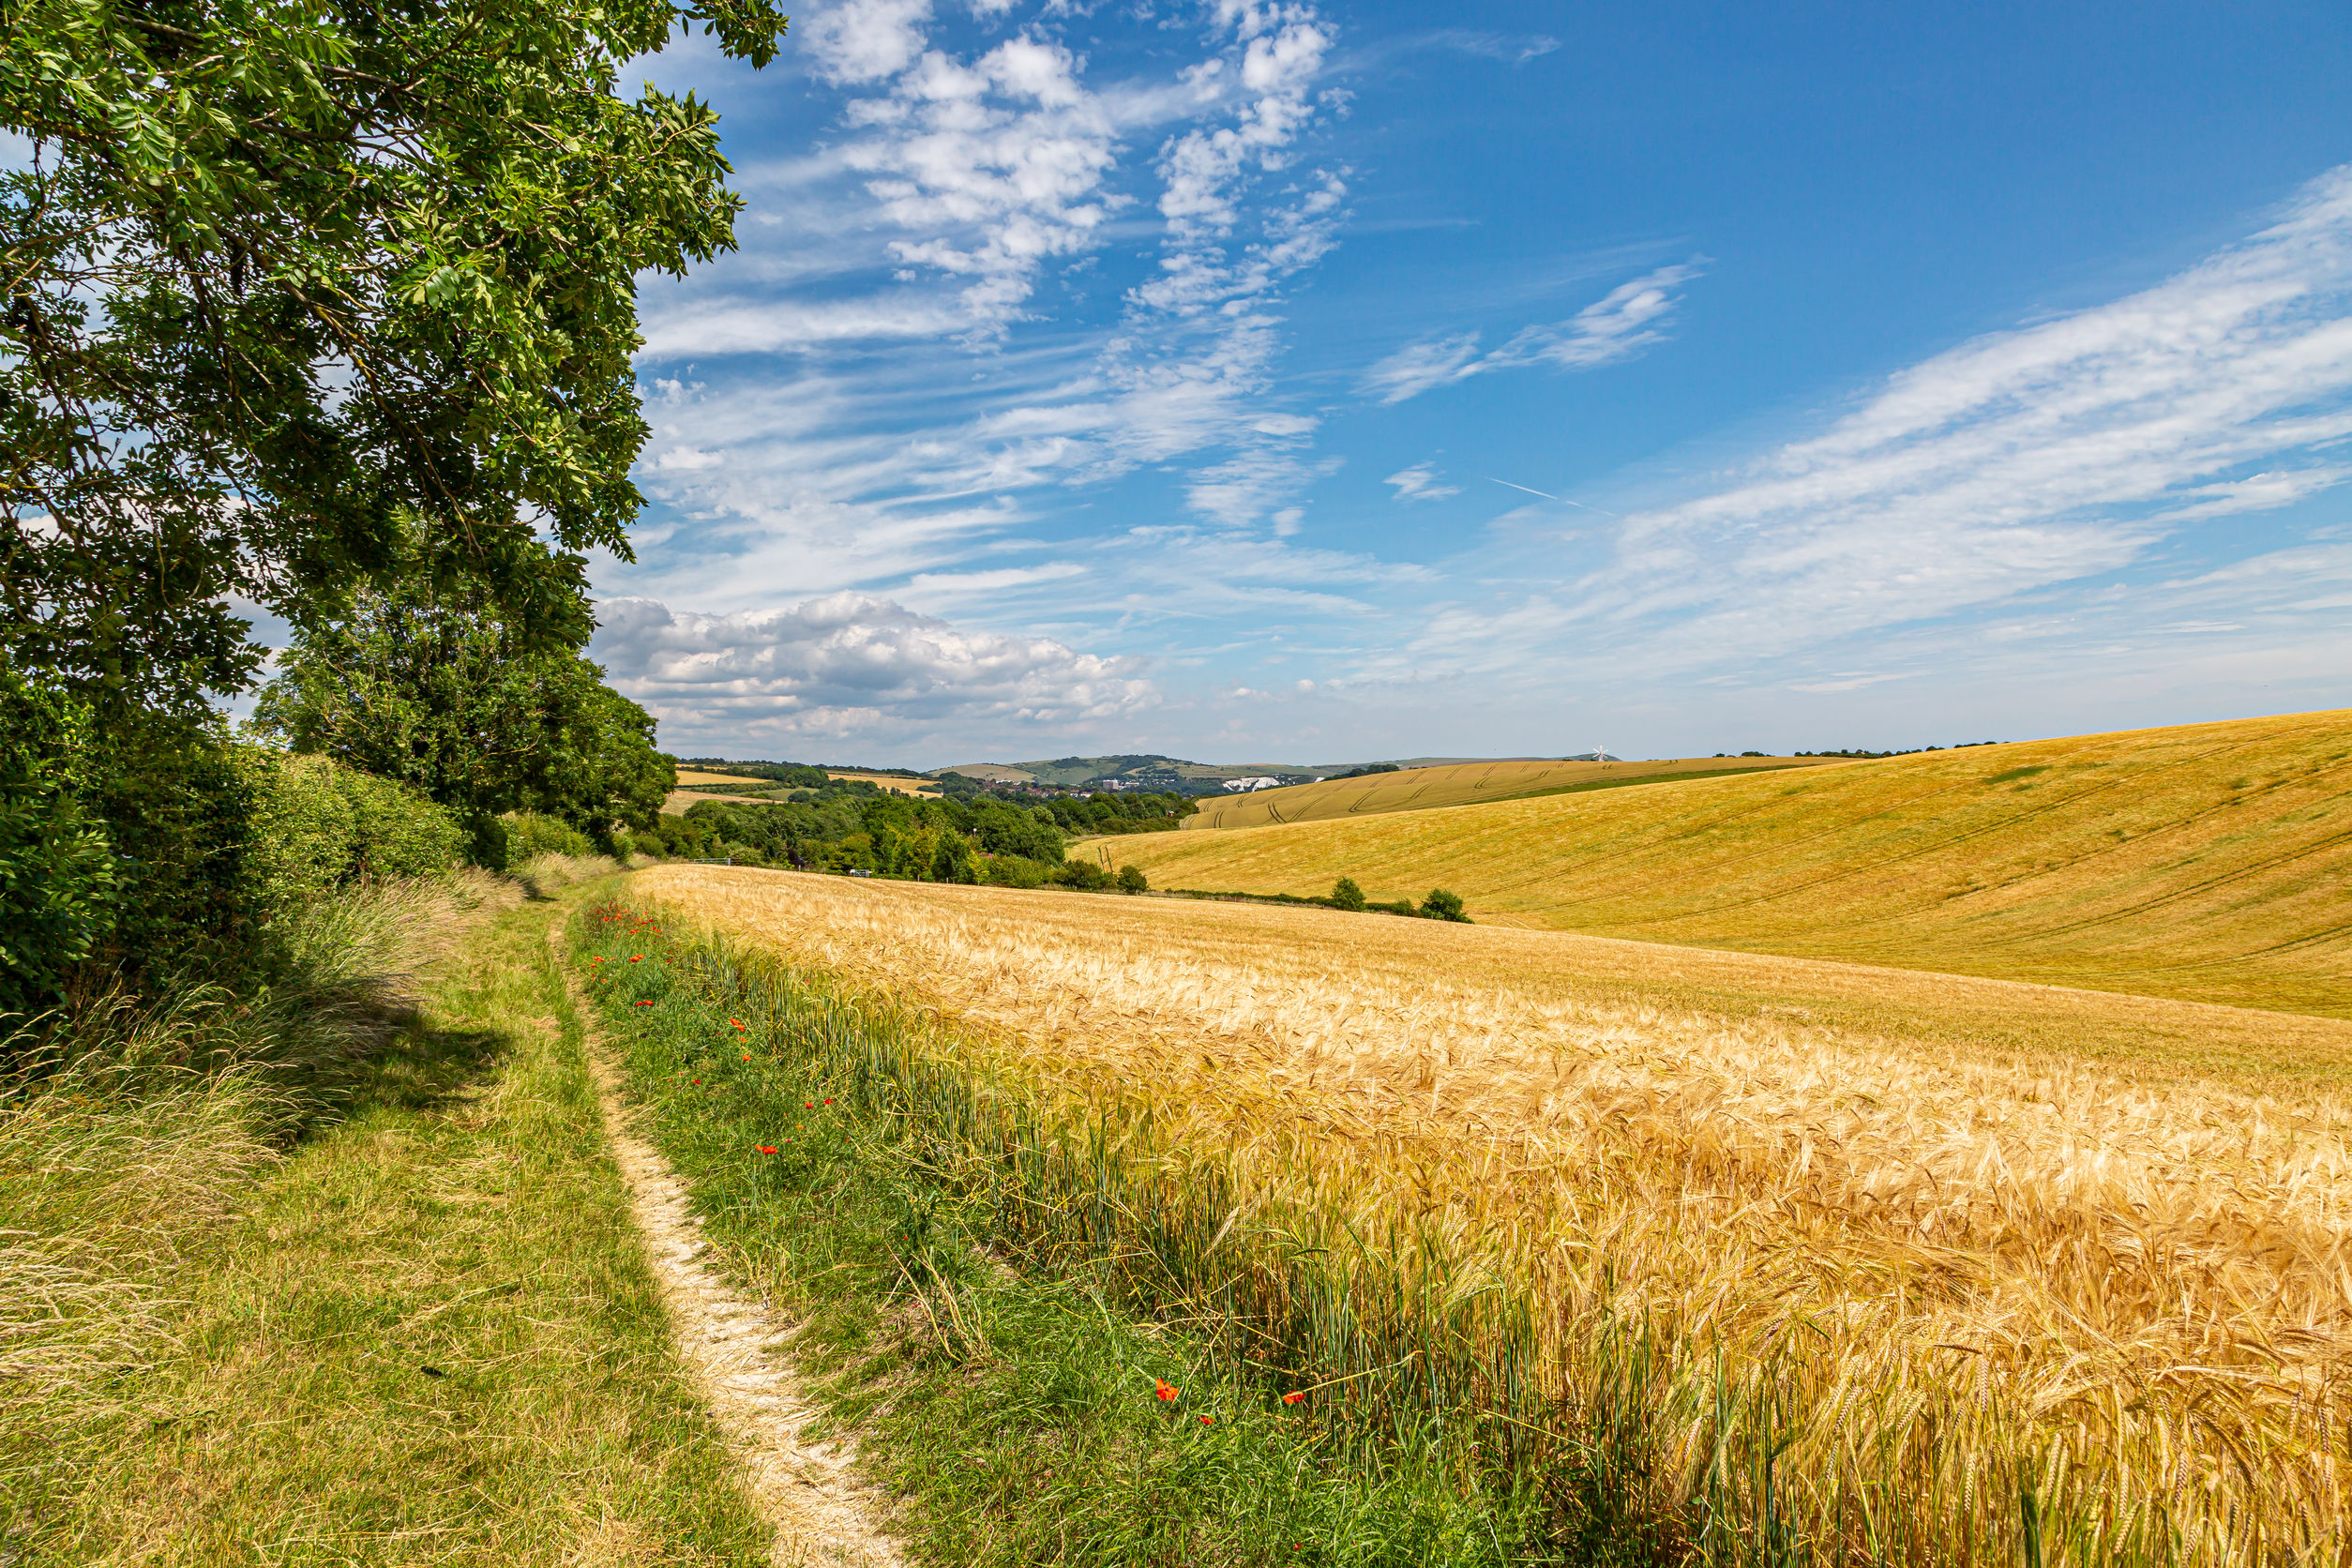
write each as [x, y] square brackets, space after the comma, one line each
[1456, 784]
[127, 1135]
[2208, 861]
[1880, 1284]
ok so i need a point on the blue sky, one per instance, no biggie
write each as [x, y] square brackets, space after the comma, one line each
[1318, 382]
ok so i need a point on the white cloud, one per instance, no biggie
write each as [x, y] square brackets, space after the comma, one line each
[1420, 483]
[847, 665]
[2009, 466]
[1516, 49]
[858, 41]
[1620, 325]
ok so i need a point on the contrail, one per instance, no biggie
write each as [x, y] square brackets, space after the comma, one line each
[1548, 496]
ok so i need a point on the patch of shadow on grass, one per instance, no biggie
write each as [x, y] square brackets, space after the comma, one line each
[420, 1070]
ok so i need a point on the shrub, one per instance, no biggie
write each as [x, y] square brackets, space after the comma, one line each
[530, 834]
[58, 888]
[1131, 880]
[1013, 870]
[316, 824]
[1441, 905]
[1345, 895]
[1084, 875]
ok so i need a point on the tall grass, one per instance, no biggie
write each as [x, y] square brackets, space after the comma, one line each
[128, 1129]
[1741, 1291]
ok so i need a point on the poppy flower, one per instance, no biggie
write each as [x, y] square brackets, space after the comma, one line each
[809, 1105]
[694, 1080]
[1207, 1420]
[767, 1148]
[635, 957]
[1294, 1396]
[828, 1102]
[747, 1056]
[1166, 1390]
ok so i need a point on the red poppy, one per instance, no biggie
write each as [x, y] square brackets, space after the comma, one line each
[747, 1056]
[1207, 1419]
[767, 1148]
[809, 1105]
[1294, 1396]
[828, 1102]
[695, 1080]
[635, 957]
[1166, 1390]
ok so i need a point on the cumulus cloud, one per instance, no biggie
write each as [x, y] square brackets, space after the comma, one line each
[853, 42]
[1620, 325]
[846, 665]
[1420, 483]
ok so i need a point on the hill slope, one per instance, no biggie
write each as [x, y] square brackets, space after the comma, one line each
[2207, 862]
[1422, 788]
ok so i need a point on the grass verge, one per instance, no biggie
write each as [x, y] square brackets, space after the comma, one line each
[1038, 1357]
[423, 1332]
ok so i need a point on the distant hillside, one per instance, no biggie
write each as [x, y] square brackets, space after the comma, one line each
[1422, 789]
[1152, 771]
[2210, 862]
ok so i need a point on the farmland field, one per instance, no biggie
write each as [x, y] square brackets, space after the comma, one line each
[1928, 1267]
[2207, 863]
[1456, 784]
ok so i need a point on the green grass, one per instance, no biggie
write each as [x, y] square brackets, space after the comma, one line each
[427, 1335]
[997, 1344]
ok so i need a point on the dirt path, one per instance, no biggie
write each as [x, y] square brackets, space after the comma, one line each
[737, 1353]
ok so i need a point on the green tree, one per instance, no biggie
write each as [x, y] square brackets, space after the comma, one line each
[284, 284]
[436, 692]
[1441, 905]
[1345, 895]
[293, 299]
[1131, 880]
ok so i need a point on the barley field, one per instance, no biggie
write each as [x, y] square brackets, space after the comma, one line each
[1795, 1259]
[2208, 861]
[1455, 784]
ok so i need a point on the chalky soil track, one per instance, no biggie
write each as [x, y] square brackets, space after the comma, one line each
[738, 1355]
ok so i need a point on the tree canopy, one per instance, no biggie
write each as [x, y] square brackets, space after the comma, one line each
[284, 284]
[434, 689]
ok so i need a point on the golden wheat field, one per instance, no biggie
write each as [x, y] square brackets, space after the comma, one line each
[1969, 1280]
[1455, 784]
[2210, 862]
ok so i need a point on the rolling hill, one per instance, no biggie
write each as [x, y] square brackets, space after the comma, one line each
[2208, 861]
[1420, 789]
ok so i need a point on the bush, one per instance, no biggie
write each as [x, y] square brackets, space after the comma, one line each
[1441, 905]
[1131, 880]
[1013, 870]
[315, 824]
[1084, 875]
[530, 835]
[57, 889]
[1345, 895]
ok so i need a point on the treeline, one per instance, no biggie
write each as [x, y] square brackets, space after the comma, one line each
[954, 839]
[1082, 813]
[1345, 895]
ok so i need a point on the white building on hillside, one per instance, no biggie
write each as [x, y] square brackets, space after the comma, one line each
[1242, 785]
